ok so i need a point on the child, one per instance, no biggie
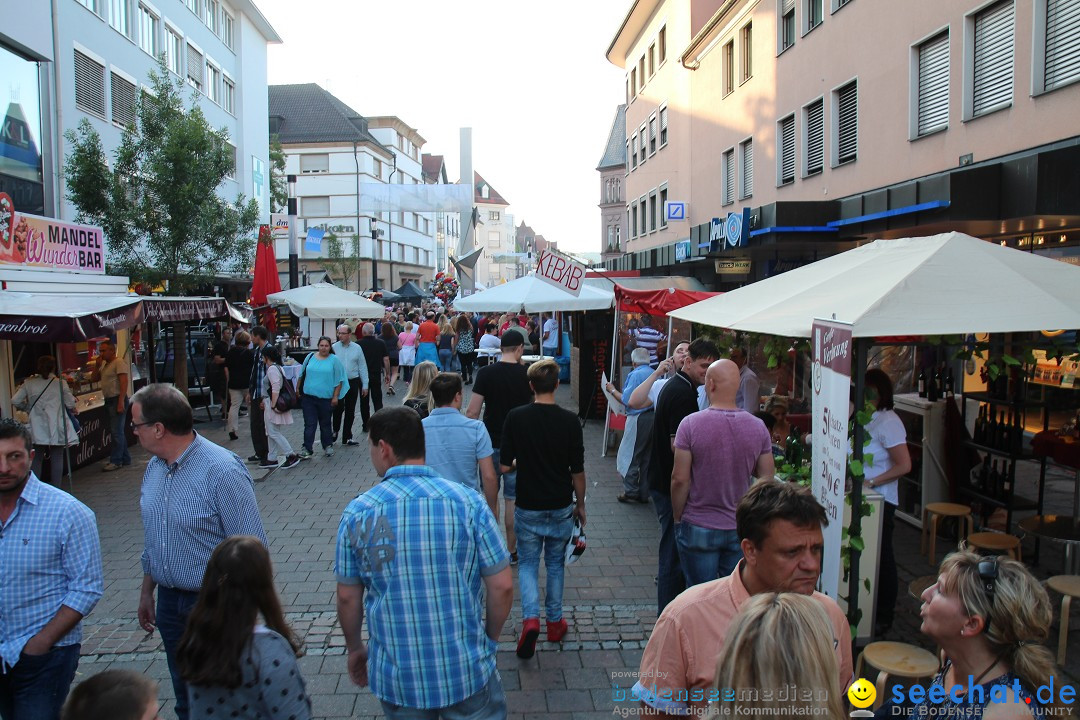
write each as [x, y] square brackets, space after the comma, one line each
[113, 695]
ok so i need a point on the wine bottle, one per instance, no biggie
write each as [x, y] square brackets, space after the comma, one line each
[937, 383]
[922, 383]
[997, 482]
[990, 432]
[949, 382]
[979, 435]
[1003, 433]
[1017, 445]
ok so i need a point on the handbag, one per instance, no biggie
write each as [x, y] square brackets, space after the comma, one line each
[74, 420]
[303, 374]
[287, 399]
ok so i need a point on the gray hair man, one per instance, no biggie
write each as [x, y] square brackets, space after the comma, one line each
[352, 357]
[378, 363]
[634, 450]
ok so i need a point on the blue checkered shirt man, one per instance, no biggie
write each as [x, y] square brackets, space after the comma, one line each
[421, 545]
[50, 556]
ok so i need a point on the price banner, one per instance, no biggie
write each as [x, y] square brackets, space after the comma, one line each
[832, 351]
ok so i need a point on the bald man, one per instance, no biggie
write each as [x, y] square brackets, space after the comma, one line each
[718, 453]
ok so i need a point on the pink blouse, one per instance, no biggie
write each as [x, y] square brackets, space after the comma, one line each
[407, 339]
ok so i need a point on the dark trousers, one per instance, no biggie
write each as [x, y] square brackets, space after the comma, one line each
[173, 608]
[888, 583]
[317, 411]
[374, 396]
[36, 687]
[670, 580]
[258, 431]
[347, 406]
[467, 361]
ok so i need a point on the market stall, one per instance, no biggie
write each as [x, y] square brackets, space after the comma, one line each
[321, 305]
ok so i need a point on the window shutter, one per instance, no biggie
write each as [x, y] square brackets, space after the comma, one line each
[747, 169]
[195, 66]
[123, 101]
[993, 74]
[729, 177]
[847, 135]
[314, 163]
[934, 84]
[787, 6]
[1062, 43]
[815, 137]
[787, 150]
[89, 84]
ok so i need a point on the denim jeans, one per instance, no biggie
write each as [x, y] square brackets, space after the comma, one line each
[507, 481]
[173, 608]
[317, 410]
[546, 531]
[119, 454]
[705, 553]
[669, 577]
[488, 704]
[38, 684]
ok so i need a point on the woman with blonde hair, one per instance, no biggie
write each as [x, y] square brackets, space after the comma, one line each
[447, 343]
[419, 396]
[783, 642]
[407, 350]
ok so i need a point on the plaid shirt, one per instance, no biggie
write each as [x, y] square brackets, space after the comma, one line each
[421, 546]
[189, 507]
[49, 556]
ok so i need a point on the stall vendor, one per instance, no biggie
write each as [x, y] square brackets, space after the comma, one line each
[112, 372]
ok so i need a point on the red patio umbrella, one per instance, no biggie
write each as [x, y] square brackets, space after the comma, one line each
[266, 276]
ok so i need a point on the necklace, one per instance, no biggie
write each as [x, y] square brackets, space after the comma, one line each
[993, 664]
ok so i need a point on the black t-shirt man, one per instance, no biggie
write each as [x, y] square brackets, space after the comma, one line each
[504, 386]
[374, 353]
[678, 398]
[547, 442]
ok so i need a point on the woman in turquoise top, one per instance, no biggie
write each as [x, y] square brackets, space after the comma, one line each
[322, 378]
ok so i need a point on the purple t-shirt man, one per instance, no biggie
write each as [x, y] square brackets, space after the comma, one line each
[725, 446]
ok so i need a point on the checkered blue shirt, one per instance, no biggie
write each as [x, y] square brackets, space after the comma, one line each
[189, 507]
[49, 556]
[421, 546]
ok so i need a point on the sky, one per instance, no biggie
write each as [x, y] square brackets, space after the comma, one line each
[530, 79]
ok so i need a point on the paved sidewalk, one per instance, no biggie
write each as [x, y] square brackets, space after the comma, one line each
[610, 595]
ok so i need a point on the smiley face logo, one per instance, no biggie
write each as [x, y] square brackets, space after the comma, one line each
[862, 693]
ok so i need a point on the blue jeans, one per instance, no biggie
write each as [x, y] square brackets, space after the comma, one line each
[488, 704]
[317, 410]
[669, 577]
[706, 554]
[445, 356]
[547, 531]
[173, 608]
[37, 685]
[508, 481]
[119, 454]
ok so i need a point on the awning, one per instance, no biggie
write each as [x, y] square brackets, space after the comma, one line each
[44, 317]
[181, 309]
[327, 302]
[535, 295]
[657, 302]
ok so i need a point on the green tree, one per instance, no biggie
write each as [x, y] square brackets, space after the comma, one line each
[279, 187]
[340, 265]
[158, 203]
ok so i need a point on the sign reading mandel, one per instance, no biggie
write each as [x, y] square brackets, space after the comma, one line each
[31, 241]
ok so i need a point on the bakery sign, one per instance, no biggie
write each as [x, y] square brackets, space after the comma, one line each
[32, 241]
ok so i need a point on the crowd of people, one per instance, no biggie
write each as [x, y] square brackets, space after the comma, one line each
[421, 555]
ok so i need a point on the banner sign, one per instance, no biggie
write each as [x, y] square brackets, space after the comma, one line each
[63, 327]
[832, 353]
[683, 251]
[279, 226]
[733, 266]
[164, 310]
[313, 241]
[737, 228]
[557, 269]
[675, 211]
[32, 241]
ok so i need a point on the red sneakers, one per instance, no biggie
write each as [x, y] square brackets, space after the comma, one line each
[556, 631]
[530, 630]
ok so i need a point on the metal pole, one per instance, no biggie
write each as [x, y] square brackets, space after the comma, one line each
[375, 255]
[390, 237]
[356, 160]
[294, 245]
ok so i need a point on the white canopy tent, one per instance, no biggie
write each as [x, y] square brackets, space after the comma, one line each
[535, 295]
[939, 285]
[323, 301]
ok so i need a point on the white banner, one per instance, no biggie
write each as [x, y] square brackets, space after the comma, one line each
[557, 269]
[832, 353]
[383, 197]
[279, 226]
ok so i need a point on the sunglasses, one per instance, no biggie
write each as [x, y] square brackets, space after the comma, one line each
[988, 573]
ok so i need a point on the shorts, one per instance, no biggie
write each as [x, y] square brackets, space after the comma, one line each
[507, 481]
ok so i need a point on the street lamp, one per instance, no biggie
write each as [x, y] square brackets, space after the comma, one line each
[294, 245]
[375, 233]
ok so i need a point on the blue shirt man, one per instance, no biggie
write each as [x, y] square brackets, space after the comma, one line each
[457, 445]
[50, 565]
[424, 550]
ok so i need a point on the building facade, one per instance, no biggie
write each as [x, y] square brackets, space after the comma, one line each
[612, 169]
[447, 224]
[820, 124]
[495, 234]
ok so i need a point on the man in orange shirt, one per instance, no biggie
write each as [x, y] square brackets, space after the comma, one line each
[780, 526]
[428, 338]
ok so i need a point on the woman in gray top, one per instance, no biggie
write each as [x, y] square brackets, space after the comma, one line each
[234, 665]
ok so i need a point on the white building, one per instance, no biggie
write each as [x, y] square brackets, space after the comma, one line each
[447, 224]
[495, 233]
[90, 59]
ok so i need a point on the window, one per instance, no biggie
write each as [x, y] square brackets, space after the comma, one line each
[746, 59]
[227, 25]
[315, 163]
[148, 31]
[786, 28]
[627, 157]
[89, 84]
[641, 73]
[814, 121]
[1060, 50]
[847, 123]
[231, 172]
[652, 60]
[91, 5]
[932, 92]
[642, 208]
[194, 67]
[663, 126]
[493, 215]
[376, 168]
[228, 95]
[493, 238]
[123, 100]
[652, 211]
[618, 236]
[610, 236]
[644, 136]
[837, 4]
[213, 10]
[746, 182]
[194, 6]
[785, 151]
[661, 43]
[213, 78]
[728, 62]
[663, 205]
[727, 177]
[628, 94]
[814, 12]
[652, 134]
[118, 16]
[315, 206]
[631, 219]
[633, 151]
[174, 51]
[992, 61]
[633, 83]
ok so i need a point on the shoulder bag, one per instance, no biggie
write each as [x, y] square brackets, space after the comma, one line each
[288, 398]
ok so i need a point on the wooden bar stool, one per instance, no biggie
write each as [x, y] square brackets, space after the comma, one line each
[898, 660]
[996, 542]
[1069, 587]
[932, 513]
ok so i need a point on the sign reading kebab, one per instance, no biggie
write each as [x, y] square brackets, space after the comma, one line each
[557, 269]
[32, 241]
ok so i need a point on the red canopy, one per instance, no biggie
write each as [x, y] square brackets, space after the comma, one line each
[266, 279]
[657, 302]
